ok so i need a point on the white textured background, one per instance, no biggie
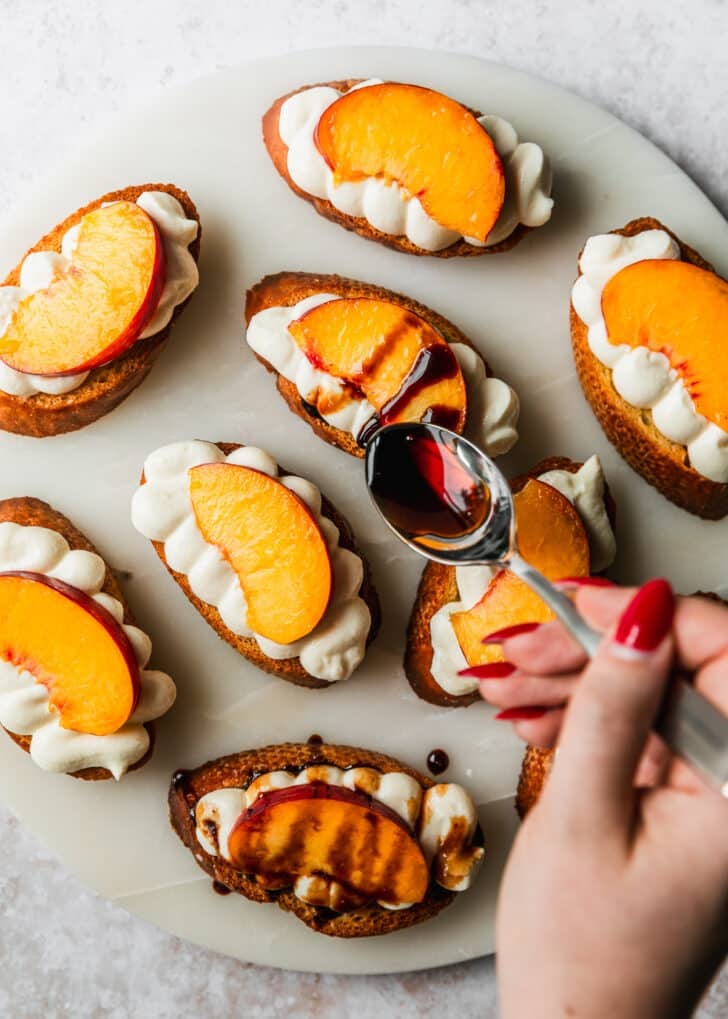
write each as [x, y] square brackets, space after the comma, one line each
[65, 65]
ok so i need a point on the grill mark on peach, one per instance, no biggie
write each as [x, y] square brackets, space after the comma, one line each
[389, 875]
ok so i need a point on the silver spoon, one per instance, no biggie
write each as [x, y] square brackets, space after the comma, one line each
[445, 499]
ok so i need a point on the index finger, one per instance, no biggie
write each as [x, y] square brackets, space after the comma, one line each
[700, 625]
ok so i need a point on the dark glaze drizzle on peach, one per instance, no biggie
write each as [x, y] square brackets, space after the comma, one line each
[433, 364]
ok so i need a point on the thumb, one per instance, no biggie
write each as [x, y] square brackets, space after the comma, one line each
[612, 711]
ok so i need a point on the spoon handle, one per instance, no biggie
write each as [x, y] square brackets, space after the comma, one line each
[692, 727]
[560, 604]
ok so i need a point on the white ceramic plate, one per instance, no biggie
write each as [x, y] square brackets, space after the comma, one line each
[206, 138]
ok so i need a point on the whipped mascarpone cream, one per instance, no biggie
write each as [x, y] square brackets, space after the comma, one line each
[24, 703]
[386, 206]
[162, 511]
[40, 268]
[642, 377]
[585, 490]
[493, 407]
[444, 818]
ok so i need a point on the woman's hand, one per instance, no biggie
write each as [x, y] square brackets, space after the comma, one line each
[615, 898]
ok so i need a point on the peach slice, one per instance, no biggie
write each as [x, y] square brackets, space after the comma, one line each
[273, 543]
[552, 538]
[320, 829]
[391, 356]
[682, 312]
[97, 307]
[74, 647]
[430, 145]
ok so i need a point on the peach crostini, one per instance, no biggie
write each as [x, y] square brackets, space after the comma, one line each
[352, 842]
[350, 356]
[565, 519]
[75, 690]
[262, 555]
[85, 314]
[409, 167]
[649, 318]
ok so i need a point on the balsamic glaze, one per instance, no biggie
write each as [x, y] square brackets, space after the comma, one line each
[423, 488]
[220, 889]
[433, 364]
[437, 761]
[311, 409]
[179, 778]
[445, 417]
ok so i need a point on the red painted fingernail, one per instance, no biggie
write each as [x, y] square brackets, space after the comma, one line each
[584, 582]
[647, 619]
[491, 670]
[509, 631]
[520, 714]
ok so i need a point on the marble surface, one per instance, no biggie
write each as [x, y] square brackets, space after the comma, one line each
[65, 66]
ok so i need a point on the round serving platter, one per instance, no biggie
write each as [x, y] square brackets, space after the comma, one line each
[205, 137]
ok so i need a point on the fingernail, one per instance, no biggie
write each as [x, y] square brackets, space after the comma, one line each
[520, 714]
[491, 670]
[647, 619]
[574, 582]
[509, 631]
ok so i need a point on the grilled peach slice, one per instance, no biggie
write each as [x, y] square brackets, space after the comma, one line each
[430, 145]
[73, 646]
[681, 311]
[273, 543]
[552, 538]
[320, 829]
[94, 310]
[391, 356]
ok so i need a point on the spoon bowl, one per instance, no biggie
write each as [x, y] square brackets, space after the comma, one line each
[441, 494]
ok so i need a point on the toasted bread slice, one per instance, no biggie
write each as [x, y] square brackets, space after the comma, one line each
[535, 769]
[289, 669]
[238, 770]
[42, 414]
[288, 288]
[437, 587]
[30, 512]
[278, 152]
[662, 463]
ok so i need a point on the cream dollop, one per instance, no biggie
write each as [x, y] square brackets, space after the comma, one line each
[40, 268]
[444, 817]
[642, 377]
[585, 490]
[387, 207]
[447, 824]
[493, 407]
[24, 703]
[162, 511]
